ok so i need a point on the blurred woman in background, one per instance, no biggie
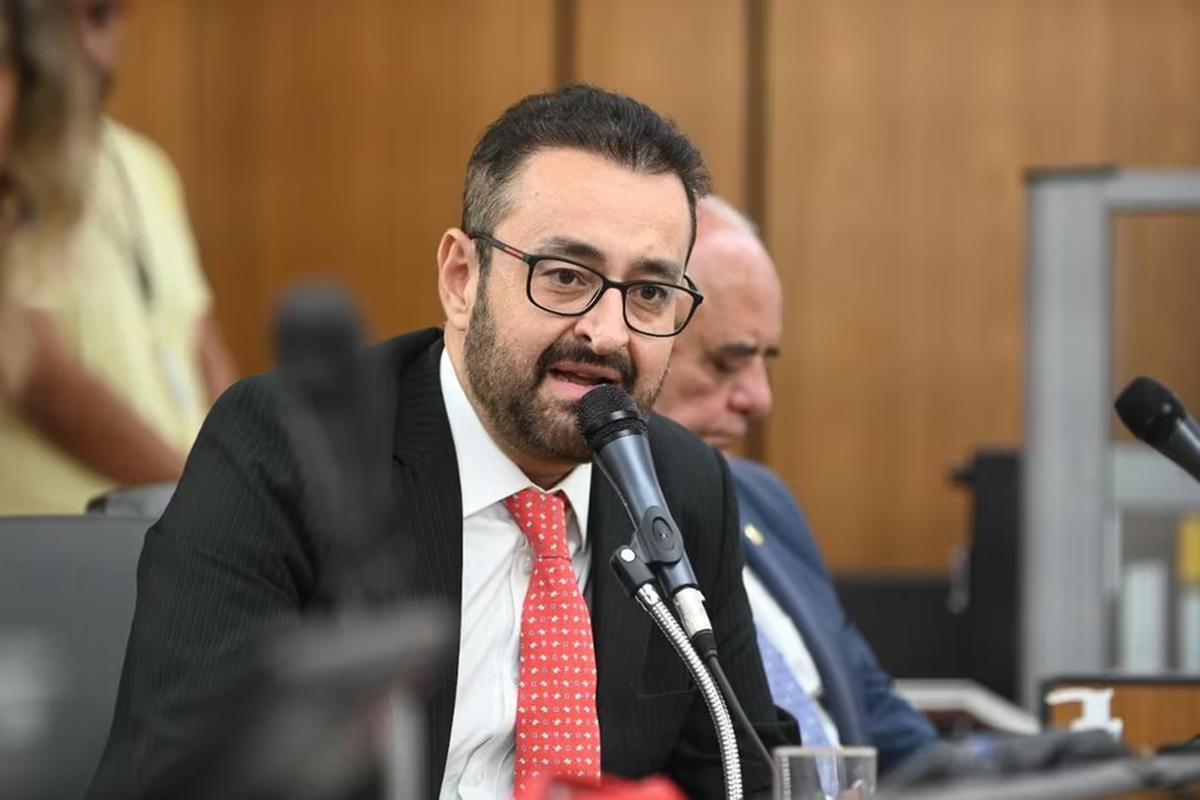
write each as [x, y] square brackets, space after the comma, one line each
[44, 154]
[126, 356]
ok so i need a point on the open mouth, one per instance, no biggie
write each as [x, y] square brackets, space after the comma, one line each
[583, 374]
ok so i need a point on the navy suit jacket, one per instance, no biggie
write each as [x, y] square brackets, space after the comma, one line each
[857, 692]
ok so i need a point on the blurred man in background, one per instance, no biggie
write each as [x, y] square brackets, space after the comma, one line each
[818, 665]
[126, 356]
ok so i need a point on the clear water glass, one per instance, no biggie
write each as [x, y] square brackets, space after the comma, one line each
[824, 773]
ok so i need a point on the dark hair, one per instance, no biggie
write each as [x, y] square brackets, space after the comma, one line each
[586, 118]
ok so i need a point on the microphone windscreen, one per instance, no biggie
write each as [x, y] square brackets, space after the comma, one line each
[1149, 410]
[317, 338]
[605, 413]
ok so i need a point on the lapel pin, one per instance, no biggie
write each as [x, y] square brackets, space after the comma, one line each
[755, 535]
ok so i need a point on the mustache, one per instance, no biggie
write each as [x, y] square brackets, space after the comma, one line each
[571, 350]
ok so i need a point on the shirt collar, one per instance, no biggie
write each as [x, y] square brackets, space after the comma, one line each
[486, 474]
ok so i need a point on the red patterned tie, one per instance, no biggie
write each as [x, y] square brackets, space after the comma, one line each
[557, 731]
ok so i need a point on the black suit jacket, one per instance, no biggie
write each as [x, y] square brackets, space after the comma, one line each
[237, 552]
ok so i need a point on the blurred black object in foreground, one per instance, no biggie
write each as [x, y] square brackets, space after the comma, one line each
[1049, 766]
[326, 704]
[331, 416]
[316, 707]
[329, 706]
[990, 756]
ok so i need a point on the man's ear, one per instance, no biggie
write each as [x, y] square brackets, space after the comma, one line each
[458, 277]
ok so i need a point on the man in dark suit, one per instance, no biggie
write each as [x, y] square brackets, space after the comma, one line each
[717, 386]
[567, 196]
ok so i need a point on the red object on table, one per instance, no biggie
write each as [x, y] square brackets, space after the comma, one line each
[547, 787]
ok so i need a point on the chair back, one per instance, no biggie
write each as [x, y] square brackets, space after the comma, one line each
[67, 591]
[149, 500]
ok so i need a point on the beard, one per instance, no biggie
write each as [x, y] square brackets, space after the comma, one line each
[506, 387]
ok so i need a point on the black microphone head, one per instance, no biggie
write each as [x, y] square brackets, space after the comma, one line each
[317, 338]
[606, 413]
[1149, 410]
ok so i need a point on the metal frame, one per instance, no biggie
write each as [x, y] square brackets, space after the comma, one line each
[1075, 480]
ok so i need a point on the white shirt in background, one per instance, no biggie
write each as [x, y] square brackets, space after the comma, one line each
[777, 626]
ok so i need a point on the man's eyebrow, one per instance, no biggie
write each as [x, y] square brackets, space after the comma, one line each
[569, 247]
[647, 268]
[737, 350]
[746, 350]
[659, 269]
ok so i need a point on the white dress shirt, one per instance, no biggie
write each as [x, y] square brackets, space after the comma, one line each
[497, 561]
[777, 626]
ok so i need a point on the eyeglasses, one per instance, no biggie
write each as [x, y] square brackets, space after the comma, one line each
[571, 289]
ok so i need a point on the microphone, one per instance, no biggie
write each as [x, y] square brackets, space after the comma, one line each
[615, 432]
[1154, 414]
[328, 411]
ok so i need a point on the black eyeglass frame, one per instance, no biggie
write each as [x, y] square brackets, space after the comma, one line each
[531, 260]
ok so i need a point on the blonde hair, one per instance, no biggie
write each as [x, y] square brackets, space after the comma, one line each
[50, 143]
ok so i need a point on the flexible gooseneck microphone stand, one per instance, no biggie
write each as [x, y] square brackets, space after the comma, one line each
[639, 581]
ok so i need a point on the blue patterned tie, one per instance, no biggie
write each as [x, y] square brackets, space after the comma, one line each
[790, 696]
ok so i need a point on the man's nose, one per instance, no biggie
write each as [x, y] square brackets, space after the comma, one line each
[603, 326]
[751, 395]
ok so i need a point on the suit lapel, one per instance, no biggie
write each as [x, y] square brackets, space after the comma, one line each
[429, 504]
[770, 563]
[620, 629]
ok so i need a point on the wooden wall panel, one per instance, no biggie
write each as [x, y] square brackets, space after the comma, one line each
[330, 139]
[1154, 120]
[899, 134]
[156, 88]
[318, 136]
[684, 58]
[1156, 285]
[1153, 69]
